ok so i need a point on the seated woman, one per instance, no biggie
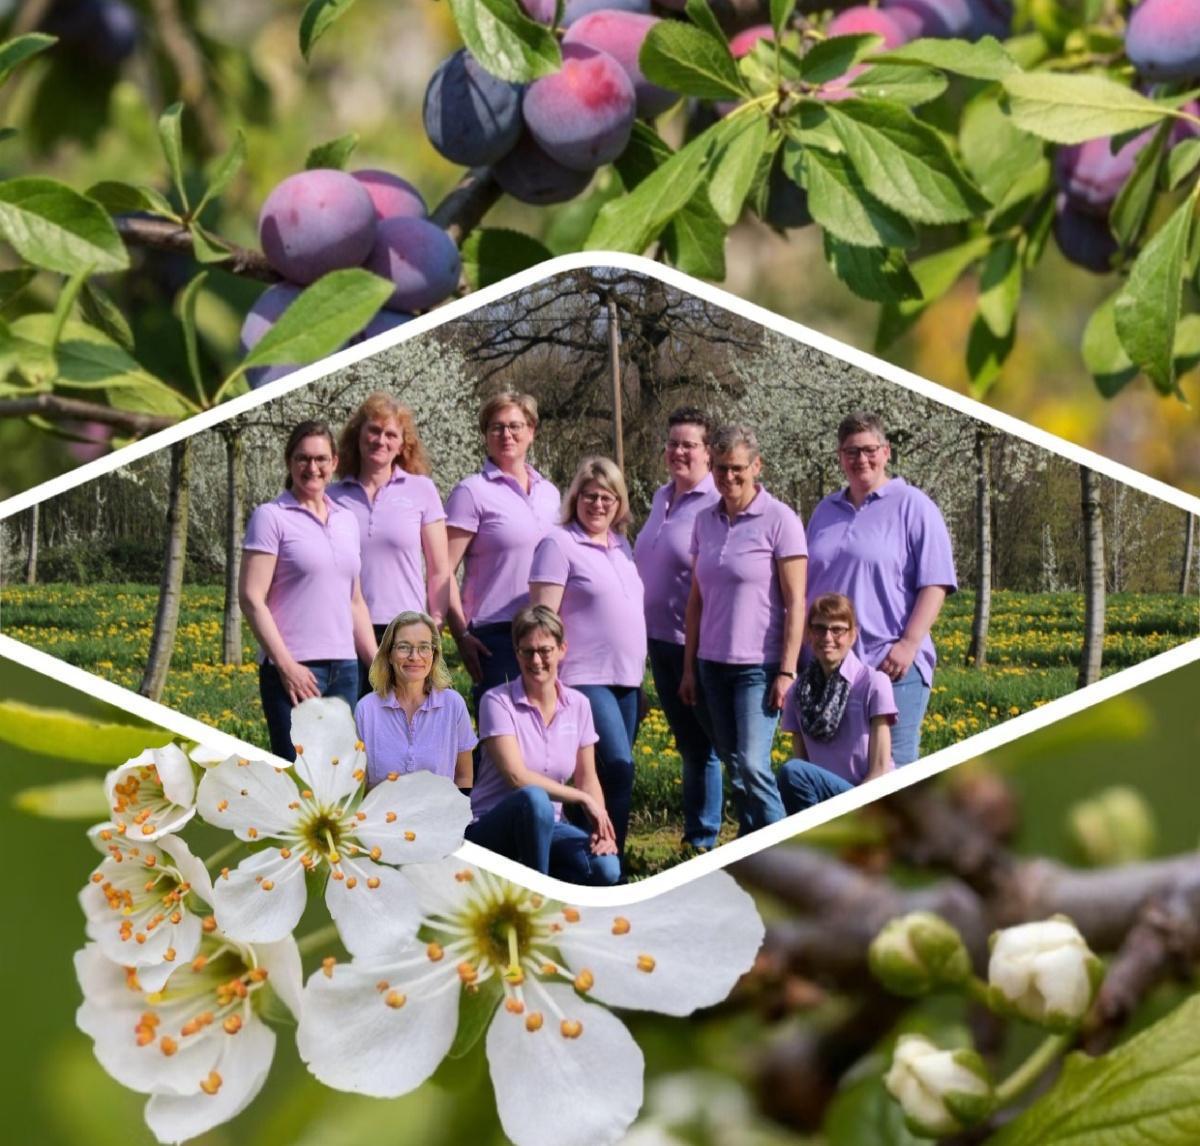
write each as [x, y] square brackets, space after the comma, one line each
[840, 713]
[413, 721]
[536, 735]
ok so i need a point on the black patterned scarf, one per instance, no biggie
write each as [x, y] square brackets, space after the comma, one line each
[821, 701]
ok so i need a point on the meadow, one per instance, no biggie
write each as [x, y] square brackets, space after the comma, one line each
[1033, 653]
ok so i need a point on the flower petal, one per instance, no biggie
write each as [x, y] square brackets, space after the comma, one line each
[284, 971]
[429, 818]
[379, 1026]
[262, 899]
[679, 951]
[189, 866]
[175, 772]
[328, 757]
[249, 798]
[374, 907]
[440, 887]
[1063, 981]
[555, 1090]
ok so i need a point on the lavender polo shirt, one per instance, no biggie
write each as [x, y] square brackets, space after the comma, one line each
[439, 730]
[742, 621]
[315, 568]
[548, 750]
[846, 754]
[880, 556]
[390, 528]
[601, 608]
[507, 523]
[663, 552]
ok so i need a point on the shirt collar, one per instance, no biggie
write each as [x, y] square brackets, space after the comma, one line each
[577, 531]
[889, 488]
[850, 667]
[705, 485]
[287, 500]
[397, 475]
[757, 506]
[519, 696]
[433, 699]
[493, 472]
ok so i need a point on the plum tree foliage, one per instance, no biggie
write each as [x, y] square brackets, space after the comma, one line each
[929, 141]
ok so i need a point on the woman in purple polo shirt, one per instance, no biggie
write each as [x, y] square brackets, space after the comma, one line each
[412, 720]
[299, 588]
[537, 735]
[584, 570]
[664, 560]
[494, 520]
[385, 484]
[745, 621]
[840, 713]
[884, 544]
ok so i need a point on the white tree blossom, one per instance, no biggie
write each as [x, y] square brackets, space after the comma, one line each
[940, 1091]
[152, 795]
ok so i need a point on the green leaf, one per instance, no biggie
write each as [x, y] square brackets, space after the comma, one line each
[1000, 287]
[13, 53]
[700, 14]
[33, 360]
[735, 167]
[684, 59]
[1102, 352]
[905, 163]
[863, 1113]
[207, 247]
[840, 203]
[829, 59]
[123, 198]
[65, 303]
[985, 59]
[1071, 109]
[986, 354]
[333, 154]
[1131, 209]
[13, 282]
[223, 172]
[935, 275]
[1147, 309]
[695, 240]
[1146, 1090]
[781, 13]
[505, 41]
[317, 19]
[100, 310]
[67, 800]
[187, 315]
[170, 135]
[491, 254]
[909, 86]
[871, 273]
[54, 227]
[995, 152]
[475, 1011]
[70, 737]
[1183, 160]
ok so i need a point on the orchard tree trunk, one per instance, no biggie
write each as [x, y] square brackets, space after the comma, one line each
[235, 508]
[31, 561]
[977, 653]
[1185, 571]
[1093, 578]
[170, 586]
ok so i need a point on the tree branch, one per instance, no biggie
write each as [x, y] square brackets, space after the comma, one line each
[57, 409]
[163, 235]
[464, 207]
[192, 71]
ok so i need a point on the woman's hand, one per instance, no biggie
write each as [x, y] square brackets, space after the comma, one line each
[471, 648]
[779, 690]
[603, 840]
[298, 682]
[687, 687]
[899, 659]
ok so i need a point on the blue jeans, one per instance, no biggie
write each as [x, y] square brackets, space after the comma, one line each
[502, 665]
[735, 700]
[615, 714]
[912, 698]
[703, 795]
[801, 785]
[522, 827]
[334, 678]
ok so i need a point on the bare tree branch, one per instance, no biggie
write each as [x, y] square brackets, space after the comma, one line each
[57, 409]
[464, 208]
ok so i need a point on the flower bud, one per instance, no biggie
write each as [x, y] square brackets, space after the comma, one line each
[940, 1091]
[1043, 972]
[1115, 826]
[917, 953]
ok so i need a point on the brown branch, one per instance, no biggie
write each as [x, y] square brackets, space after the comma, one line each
[163, 235]
[192, 71]
[56, 408]
[463, 209]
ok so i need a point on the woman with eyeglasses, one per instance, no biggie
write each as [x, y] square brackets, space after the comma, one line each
[385, 484]
[664, 560]
[584, 571]
[537, 755]
[413, 720]
[840, 713]
[299, 588]
[494, 521]
[884, 544]
[745, 621]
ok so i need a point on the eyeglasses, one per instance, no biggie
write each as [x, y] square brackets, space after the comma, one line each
[684, 447]
[404, 649]
[513, 428]
[540, 652]
[723, 470]
[604, 500]
[820, 629]
[853, 453]
[320, 460]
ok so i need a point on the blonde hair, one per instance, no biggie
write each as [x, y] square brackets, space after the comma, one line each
[381, 407]
[605, 474]
[383, 677]
[526, 403]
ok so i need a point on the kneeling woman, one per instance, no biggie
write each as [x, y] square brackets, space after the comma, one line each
[412, 720]
[840, 713]
[536, 735]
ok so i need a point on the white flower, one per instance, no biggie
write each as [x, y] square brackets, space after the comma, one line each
[197, 1046]
[566, 1072]
[328, 821]
[940, 1091]
[152, 795]
[1044, 972]
[136, 904]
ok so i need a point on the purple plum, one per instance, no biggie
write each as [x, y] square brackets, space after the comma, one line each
[391, 196]
[621, 35]
[471, 117]
[420, 259]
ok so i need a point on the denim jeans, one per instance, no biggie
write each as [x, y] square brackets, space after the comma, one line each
[502, 665]
[334, 678]
[802, 784]
[911, 694]
[522, 827]
[615, 714]
[735, 700]
[703, 795]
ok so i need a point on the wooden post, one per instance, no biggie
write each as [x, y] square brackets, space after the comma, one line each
[977, 653]
[614, 360]
[235, 501]
[31, 561]
[1185, 571]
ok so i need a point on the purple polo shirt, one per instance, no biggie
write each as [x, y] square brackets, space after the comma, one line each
[390, 530]
[506, 711]
[846, 754]
[663, 552]
[742, 621]
[507, 523]
[880, 556]
[315, 568]
[601, 608]
[439, 730]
